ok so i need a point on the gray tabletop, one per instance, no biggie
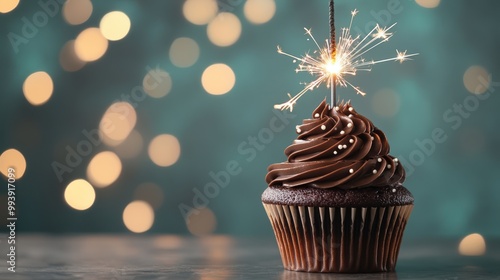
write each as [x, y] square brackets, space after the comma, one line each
[215, 257]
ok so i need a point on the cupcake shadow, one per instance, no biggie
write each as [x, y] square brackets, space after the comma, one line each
[293, 275]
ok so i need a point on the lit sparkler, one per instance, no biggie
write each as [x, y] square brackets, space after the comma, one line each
[331, 64]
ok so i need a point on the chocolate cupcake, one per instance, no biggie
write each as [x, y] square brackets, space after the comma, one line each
[338, 204]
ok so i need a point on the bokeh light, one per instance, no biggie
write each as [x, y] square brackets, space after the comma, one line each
[201, 222]
[164, 150]
[217, 248]
[38, 88]
[12, 158]
[117, 123]
[259, 11]
[138, 216]
[477, 79]
[76, 12]
[157, 83]
[428, 3]
[224, 30]
[218, 257]
[131, 147]
[115, 25]
[79, 194]
[104, 169]
[8, 5]
[472, 245]
[385, 103]
[109, 141]
[218, 79]
[184, 52]
[90, 44]
[68, 59]
[218, 241]
[200, 12]
[151, 193]
[168, 241]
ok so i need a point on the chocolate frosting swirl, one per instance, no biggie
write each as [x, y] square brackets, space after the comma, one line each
[337, 148]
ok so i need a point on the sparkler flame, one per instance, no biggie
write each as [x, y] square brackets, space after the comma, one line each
[347, 61]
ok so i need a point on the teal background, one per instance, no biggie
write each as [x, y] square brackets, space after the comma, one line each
[456, 187]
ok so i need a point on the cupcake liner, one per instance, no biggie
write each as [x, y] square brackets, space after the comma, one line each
[338, 239]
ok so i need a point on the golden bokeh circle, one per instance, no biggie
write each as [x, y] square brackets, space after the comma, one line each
[218, 79]
[224, 30]
[104, 169]
[76, 12]
[164, 150]
[200, 12]
[259, 11]
[8, 5]
[157, 83]
[428, 3]
[472, 245]
[90, 44]
[138, 216]
[12, 158]
[117, 123]
[201, 222]
[184, 52]
[79, 194]
[115, 25]
[477, 79]
[38, 88]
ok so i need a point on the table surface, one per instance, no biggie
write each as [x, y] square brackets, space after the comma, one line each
[215, 257]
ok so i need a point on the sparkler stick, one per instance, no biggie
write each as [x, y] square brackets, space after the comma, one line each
[333, 53]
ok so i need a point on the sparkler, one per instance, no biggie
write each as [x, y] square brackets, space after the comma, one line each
[333, 62]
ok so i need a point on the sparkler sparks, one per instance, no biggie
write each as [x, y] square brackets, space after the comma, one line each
[348, 60]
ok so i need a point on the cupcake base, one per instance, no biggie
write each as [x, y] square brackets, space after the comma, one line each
[338, 239]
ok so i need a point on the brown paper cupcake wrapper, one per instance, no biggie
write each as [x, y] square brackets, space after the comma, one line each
[334, 239]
